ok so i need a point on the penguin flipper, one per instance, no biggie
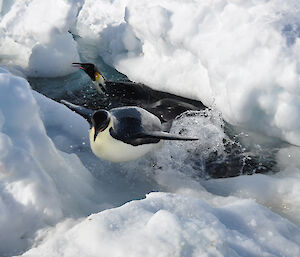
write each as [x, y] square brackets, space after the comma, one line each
[83, 112]
[165, 136]
[141, 138]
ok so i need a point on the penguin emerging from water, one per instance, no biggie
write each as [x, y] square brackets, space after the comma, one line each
[126, 89]
[164, 105]
[120, 89]
[94, 73]
[123, 134]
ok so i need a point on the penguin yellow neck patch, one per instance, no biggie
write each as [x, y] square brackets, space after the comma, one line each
[99, 78]
[97, 75]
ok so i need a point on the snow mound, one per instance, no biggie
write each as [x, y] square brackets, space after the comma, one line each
[34, 36]
[54, 193]
[279, 191]
[171, 225]
[181, 168]
[38, 184]
[241, 56]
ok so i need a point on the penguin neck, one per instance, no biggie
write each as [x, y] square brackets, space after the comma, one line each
[99, 84]
[101, 134]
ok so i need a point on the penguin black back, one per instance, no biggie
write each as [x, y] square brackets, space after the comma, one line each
[132, 123]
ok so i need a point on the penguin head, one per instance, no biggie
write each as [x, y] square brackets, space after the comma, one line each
[91, 70]
[100, 121]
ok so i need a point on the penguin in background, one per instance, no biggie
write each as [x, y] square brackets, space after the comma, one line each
[127, 89]
[95, 74]
[164, 105]
[125, 133]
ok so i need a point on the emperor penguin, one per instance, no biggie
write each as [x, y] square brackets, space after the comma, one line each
[123, 134]
[123, 89]
[164, 105]
[95, 74]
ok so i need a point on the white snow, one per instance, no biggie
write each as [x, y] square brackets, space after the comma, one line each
[171, 225]
[54, 193]
[38, 183]
[279, 191]
[34, 36]
[241, 57]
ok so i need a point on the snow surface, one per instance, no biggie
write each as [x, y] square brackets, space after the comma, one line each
[34, 36]
[171, 225]
[47, 195]
[242, 57]
[38, 183]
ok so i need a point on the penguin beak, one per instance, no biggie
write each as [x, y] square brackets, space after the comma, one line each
[88, 68]
[95, 134]
[97, 131]
[78, 65]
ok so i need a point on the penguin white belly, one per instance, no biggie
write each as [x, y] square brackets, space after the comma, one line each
[108, 148]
